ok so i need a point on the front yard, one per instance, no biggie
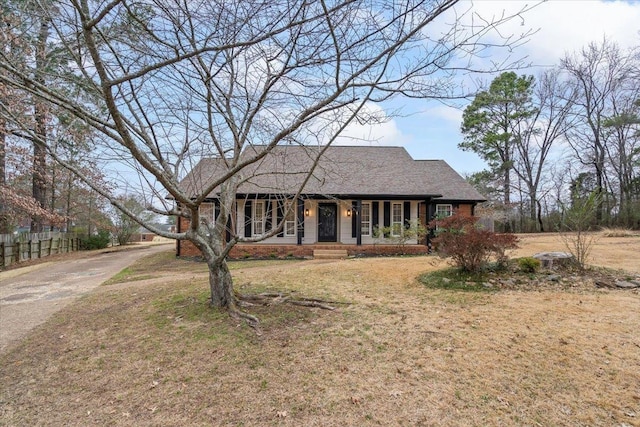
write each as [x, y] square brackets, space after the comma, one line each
[395, 352]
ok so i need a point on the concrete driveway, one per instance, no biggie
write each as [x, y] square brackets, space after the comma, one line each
[30, 295]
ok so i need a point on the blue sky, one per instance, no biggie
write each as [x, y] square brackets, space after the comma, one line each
[431, 130]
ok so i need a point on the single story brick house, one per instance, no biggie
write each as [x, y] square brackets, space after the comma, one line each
[353, 191]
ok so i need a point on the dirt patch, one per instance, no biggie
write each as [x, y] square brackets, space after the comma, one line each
[150, 352]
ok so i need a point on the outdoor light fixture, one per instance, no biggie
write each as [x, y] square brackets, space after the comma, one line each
[348, 212]
[306, 212]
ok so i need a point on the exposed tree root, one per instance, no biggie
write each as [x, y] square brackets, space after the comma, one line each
[251, 320]
[271, 298]
[274, 298]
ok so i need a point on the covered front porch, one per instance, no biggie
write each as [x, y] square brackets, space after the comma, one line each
[320, 220]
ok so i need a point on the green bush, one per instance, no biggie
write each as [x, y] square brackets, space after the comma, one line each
[529, 264]
[98, 241]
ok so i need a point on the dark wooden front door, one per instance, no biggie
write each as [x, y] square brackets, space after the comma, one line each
[327, 222]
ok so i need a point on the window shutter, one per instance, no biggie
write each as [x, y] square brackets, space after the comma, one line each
[228, 230]
[247, 218]
[354, 219]
[407, 214]
[216, 212]
[375, 220]
[387, 216]
[268, 216]
[280, 216]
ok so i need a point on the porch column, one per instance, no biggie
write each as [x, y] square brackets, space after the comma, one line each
[358, 214]
[300, 220]
[430, 212]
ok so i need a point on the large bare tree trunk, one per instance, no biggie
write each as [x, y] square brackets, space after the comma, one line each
[540, 222]
[507, 166]
[39, 186]
[4, 218]
[221, 284]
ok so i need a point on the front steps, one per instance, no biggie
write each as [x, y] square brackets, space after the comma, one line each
[330, 254]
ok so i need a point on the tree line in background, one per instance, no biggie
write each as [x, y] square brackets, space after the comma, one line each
[37, 193]
[557, 141]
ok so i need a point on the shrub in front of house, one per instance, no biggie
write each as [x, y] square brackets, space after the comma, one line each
[469, 246]
[529, 264]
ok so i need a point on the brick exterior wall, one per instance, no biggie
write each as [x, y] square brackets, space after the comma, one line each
[241, 251]
[464, 210]
[282, 251]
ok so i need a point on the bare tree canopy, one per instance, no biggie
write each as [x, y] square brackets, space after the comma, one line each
[605, 84]
[163, 84]
[571, 131]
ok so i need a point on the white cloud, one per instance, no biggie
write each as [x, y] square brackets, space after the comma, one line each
[445, 115]
[385, 133]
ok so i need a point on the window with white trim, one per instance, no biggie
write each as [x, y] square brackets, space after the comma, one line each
[258, 218]
[365, 217]
[290, 219]
[396, 219]
[444, 211]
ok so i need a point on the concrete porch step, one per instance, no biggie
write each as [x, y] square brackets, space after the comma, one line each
[330, 253]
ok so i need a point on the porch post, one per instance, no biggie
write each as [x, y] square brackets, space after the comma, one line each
[300, 220]
[358, 214]
[430, 212]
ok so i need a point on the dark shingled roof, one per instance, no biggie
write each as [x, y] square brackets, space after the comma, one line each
[343, 171]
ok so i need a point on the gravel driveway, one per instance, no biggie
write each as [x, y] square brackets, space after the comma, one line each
[29, 295]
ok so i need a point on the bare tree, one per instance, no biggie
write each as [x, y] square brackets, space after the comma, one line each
[124, 227]
[597, 75]
[623, 149]
[536, 135]
[171, 82]
[4, 216]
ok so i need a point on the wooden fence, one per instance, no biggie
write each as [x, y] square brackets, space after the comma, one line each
[26, 246]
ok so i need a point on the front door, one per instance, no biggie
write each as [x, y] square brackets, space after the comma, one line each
[327, 222]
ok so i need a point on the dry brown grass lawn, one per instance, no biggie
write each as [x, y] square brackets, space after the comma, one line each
[613, 252]
[149, 352]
